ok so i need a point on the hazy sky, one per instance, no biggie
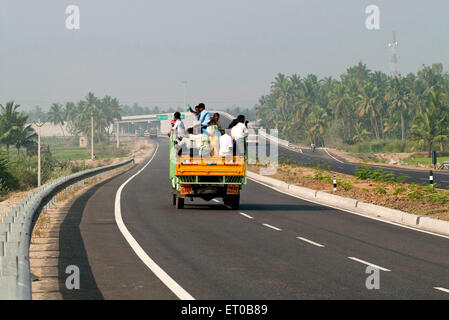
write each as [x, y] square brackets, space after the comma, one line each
[229, 51]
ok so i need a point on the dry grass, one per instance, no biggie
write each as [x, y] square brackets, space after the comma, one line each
[391, 195]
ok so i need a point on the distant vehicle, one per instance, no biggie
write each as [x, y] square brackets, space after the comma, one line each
[146, 133]
[153, 132]
[206, 178]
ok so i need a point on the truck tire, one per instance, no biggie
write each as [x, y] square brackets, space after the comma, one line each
[180, 203]
[235, 202]
[174, 199]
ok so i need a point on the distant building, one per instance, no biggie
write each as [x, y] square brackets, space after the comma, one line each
[83, 142]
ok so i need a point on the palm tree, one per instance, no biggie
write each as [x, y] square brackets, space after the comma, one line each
[429, 124]
[24, 137]
[367, 101]
[9, 118]
[57, 115]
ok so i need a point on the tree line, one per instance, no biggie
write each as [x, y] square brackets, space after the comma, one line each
[362, 105]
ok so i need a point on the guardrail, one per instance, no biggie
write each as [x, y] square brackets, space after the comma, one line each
[17, 226]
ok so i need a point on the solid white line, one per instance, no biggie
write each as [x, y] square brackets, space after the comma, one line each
[215, 200]
[272, 227]
[368, 263]
[349, 211]
[325, 149]
[310, 241]
[161, 274]
[245, 215]
[300, 150]
[442, 289]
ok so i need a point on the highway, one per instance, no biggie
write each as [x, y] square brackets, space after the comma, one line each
[138, 246]
[326, 160]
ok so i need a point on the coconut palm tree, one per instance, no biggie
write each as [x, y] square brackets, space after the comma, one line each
[57, 116]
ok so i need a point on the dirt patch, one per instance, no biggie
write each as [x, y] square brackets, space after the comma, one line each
[414, 199]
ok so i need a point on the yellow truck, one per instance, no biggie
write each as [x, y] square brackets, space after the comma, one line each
[206, 178]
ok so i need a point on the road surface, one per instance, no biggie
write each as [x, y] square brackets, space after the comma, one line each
[275, 247]
[326, 160]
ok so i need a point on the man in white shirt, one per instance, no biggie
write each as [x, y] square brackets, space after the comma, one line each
[238, 133]
[226, 144]
[178, 127]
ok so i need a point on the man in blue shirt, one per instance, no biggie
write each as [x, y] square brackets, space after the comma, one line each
[202, 115]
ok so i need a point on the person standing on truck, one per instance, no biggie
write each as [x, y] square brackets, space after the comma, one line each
[178, 126]
[202, 115]
[238, 133]
[226, 144]
[216, 116]
[212, 132]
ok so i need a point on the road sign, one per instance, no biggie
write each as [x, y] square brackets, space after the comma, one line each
[162, 117]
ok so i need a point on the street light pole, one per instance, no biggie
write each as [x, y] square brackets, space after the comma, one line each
[92, 136]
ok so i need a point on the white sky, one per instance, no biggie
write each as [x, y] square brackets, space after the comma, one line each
[228, 51]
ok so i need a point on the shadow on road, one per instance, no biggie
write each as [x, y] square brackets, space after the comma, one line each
[73, 252]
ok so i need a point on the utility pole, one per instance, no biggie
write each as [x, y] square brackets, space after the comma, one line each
[394, 57]
[92, 136]
[39, 124]
[117, 133]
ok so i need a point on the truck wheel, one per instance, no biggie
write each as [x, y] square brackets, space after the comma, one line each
[180, 203]
[174, 199]
[232, 201]
[235, 202]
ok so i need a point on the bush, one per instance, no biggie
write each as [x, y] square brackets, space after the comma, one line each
[321, 176]
[381, 146]
[7, 178]
[381, 190]
[378, 175]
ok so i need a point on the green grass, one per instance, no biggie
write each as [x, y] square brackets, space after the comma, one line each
[423, 160]
[380, 146]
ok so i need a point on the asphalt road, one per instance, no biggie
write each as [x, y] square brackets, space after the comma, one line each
[322, 158]
[275, 247]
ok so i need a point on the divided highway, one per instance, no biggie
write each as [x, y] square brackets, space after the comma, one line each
[324, 159]
[275, 247]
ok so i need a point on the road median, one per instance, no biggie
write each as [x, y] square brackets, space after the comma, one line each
[356, 206]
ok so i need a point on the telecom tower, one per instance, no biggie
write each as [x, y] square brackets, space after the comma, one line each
[394, 57]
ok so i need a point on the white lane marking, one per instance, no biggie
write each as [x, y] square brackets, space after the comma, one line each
[349, 211]
[300, 150]
[325, 149]
[310, 241]
[215, 200]
[442, 289]
[246, 215]
[272, 227]
[161, 274]
[369, 264]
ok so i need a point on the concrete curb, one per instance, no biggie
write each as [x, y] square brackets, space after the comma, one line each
[359, 207]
